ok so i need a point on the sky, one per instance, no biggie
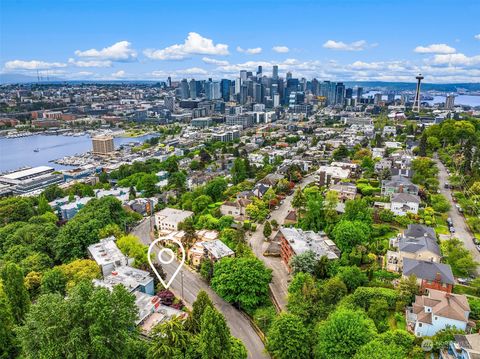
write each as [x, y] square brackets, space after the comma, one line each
[338, 40]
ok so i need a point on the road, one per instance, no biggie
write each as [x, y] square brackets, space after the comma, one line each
[280, 276]
[239, 326]
[462, 231]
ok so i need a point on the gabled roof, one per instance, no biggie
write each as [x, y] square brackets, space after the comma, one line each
[447, 305]
[418, 237]
[405, 198]
[428, 270]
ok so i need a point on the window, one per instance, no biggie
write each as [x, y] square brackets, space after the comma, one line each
[436, 318]
[419, 325]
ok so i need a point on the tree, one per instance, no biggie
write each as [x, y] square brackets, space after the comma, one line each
[242, 281]
[214, 338]
[8, 347]
[303, 262]
[215, 188]
[131, 246]
[459, 258]
[343, 334]
[287, 338]
[80, 270]
[15, 291]
[54, 281]
[407, 289]
[397, 344]
[331, 202]
[298, 200]
[378, 312]
[132, 194]
[200, 203]
[177, 181]
[169, 340]
[443, 337]
[348, 234]
[238, 171]
[439, 203]
[53, 192]
[340, 153]
[267, 229]
[190, 234]
[193, 322]
[304, 297]
[353, 277]
[422, 147]
[320, 270]
[43, 206]
[314, 216]
[90, 322]
[358, 210]
[15, 209]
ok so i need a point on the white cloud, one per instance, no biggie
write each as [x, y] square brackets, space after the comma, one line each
[435, 49]
[211, 61]
[119, 74]
[194, 44]
[181, 73]
[252, 51]
[342, 46]
[281, 49]
[477, 37]
[194, 71]
[90, 63]
[120, 51]
[32, 65]
[455, 60]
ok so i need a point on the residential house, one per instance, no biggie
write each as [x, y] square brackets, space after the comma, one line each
[212, 250]
[271, 179]
[235, 208]
[346, 191]
[429, 274]
[331, 174]
[294, 241]
[260, 189]
[291, 218]
[398, 184]
[132, 279]
[436, 311]
[170, 218]
[417, 242]
[464, 346]
[403, 203]
[107, 255]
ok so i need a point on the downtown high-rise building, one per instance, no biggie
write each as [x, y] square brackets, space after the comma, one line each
[275, 72]
[450, 102]
[193, 89]
[184, 89]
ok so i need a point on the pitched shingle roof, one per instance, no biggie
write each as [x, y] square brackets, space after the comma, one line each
[428, 270]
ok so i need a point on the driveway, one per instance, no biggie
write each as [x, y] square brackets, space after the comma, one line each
[462, 231]
[187, 284]
[280, 276]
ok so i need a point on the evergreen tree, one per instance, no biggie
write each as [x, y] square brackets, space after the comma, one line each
[7, 338]
[43, 205]
[214, 337]
[132, 194]
[15, 291]
[267, 229]
[422, 148]
[198, 308]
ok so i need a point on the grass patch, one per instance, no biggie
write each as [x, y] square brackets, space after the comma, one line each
[441, 229]
[397, 321]
[465, 289]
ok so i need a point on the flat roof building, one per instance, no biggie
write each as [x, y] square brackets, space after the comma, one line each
[102, 145]
[31, 179]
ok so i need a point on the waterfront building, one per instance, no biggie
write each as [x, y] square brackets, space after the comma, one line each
[102, 145]
[31, 179]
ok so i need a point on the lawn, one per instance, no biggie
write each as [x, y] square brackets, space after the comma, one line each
[397, 321]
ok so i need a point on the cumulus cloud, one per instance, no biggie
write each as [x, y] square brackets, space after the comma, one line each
[281, 49]
[90, 63]
[194, 44]
[119, 74]
[435, 49]
[252, 51]
[120, 51]
[181, 73]
[32, 65]
[455, 60]
[477, 37]
[342, 46]
[211, 61]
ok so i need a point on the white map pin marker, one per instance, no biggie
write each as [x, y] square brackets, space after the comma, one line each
[170, 258]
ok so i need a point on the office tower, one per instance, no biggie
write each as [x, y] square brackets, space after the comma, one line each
[225, 89]
[349, 93]
[169, 82]
[315, 87]
[450, 102]
[276, 100]
[249, 74]
[243, 76]
[258, 93]
[275, 72]
[377, 99]
[289, 75]
[340, 94]
[359, 94]
[193, 89]
[259, 71]
[102, 145]
[416, 102]
[217, 92]
[391, 97]
[238, 83]
[169, 102]
[243, 94]
[184, 89]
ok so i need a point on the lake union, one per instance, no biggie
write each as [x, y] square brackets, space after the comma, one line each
[20, 152]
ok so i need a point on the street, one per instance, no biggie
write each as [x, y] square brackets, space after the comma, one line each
[462, 232]
[192, 284]
[280, 276]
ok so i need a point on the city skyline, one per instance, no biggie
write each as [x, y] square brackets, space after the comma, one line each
[102, 42]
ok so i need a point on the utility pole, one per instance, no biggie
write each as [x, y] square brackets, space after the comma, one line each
[181, 278]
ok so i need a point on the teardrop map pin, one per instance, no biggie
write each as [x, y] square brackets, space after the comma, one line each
[166, 256]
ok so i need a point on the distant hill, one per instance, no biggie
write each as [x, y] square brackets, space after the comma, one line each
[21, 79]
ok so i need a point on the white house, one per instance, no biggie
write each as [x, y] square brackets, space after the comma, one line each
[403, 203]
[437, 310]
[170, 218]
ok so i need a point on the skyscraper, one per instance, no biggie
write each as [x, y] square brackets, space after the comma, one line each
[275, 72]
[169, 102]
[243, 75]
[184, 89]
[193, 89]
[450, 102]
[340, 94]
[225, 89]
[359, 94]
[259, 71]
[289, 75]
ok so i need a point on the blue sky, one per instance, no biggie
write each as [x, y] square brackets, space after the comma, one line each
[151, 39]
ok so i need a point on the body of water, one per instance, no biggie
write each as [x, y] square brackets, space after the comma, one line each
[19, 152]
[467, 100]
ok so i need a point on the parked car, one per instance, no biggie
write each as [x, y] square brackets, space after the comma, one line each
[478, 247]
[446, 185]
[463, 280]
[475, 240]
[449, 221]
[452, 229]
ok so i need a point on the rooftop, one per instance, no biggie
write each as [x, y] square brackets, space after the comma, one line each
[106, 251]
[302, 241]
